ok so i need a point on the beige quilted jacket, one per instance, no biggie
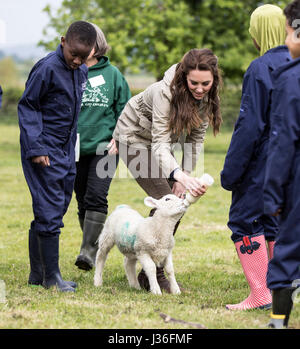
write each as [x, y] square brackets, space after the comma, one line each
[143, 123]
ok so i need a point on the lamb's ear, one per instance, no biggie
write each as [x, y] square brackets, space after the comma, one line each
[150, 202]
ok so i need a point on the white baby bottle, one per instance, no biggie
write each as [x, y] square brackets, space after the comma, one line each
[205, 180]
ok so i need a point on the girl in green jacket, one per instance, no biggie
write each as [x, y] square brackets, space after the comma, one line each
[103, 100]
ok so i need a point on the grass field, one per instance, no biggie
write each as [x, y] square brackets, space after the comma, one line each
[205, 262]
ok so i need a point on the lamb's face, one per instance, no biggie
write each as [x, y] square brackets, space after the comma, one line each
[169, 205]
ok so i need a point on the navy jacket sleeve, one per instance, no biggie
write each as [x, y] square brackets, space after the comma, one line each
[249, 126]
[284, 137]
[29, 112]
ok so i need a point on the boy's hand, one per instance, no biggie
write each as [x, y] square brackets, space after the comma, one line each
[277, 213]
[41, 160]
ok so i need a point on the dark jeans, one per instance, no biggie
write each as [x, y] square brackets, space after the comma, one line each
[93, 178]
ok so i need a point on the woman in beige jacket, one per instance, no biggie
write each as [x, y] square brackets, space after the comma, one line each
[177, 109]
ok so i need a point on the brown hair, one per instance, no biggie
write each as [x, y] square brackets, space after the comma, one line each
[184, 108]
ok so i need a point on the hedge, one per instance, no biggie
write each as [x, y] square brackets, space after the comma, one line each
[230, 103]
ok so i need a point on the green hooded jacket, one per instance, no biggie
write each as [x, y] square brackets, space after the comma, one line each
[103, 100]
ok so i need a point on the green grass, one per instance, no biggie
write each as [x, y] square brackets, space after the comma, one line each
[205, 262]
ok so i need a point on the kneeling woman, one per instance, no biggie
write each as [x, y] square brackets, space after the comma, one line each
[176, 109]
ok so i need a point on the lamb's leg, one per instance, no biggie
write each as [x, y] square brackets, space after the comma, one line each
[171, 275]
[106, 243]
[130, 270]
[150, 269]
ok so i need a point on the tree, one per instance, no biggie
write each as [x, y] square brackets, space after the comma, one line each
[154, 34]
[9, 75]
[223, 26]
[149, 35]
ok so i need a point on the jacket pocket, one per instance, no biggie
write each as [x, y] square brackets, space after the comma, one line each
[276, 124]
[61, 103]
[243, 111]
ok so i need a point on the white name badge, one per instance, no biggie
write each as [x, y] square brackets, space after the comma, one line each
[97, 81]
[77, 148]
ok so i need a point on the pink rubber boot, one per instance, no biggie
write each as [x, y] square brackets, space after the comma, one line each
[271, 248]
[253, 255]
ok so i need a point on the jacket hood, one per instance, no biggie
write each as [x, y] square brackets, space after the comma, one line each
[276, 73]
[272, 59]
[103, 62]
[169, 74]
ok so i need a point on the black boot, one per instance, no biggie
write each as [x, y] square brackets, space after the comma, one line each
[36, 269]
[92, 228]
[49, 251]
[282, 305]
[161, 279]
[143, 280]
[81, 222]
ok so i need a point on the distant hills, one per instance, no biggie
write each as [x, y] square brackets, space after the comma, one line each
[22, 52]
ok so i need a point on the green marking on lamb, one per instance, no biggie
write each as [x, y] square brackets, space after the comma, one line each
[127, 240]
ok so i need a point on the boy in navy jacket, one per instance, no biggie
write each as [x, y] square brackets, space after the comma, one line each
[48, 112]
[282, 189]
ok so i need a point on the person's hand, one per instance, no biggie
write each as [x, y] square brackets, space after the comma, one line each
[41, 160]
[179, 190]
[192, 184]
[113, 150]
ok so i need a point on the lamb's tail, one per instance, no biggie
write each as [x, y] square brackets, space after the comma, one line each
[104, 236]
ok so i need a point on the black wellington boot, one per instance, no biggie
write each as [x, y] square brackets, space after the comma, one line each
[49, 251]
[81, 222]
[36, 269]
[161, 279]
[92, 228]
[282, 304]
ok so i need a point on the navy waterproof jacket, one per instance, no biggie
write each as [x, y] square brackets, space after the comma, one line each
[244, 167]
[282, 182]
[50, 104]
[251, 131]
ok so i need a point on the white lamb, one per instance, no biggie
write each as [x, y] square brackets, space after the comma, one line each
[149, 240]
